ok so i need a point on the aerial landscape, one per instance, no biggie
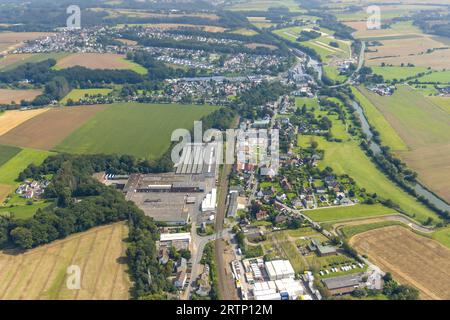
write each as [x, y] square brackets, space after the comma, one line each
[225, 150]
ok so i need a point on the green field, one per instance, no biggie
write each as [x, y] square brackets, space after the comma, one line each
[135, 67]
[441, 102]
[245, 32]
[389, 136]
[23, 211]
[309, 102]
[38, 57]
[417, 121]
[333, 73]
[349, 212]
[398, 73]
[350, 231]
[443, 236]
[7, 153]
[10, 171]
[348, 158]
[142, 130]
[436, 77]
[78, 94]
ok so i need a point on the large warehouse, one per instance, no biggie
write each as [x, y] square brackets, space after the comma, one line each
[279, 269]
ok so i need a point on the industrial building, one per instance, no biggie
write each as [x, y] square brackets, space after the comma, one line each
[343, 284]
[176, 240]
[209, 203]
[232, 204]
[279, 269]
[168, 197]
[284, 289]
[199, 158]
[322, 251]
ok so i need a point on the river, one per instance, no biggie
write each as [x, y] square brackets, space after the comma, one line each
[420, 190]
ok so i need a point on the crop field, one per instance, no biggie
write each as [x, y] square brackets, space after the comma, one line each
[11, 169]
[412, 259]
[419, 51]
[172, 26]
[262, 5]
[142, 130]
[46, 130]
[348, 158]
[441, 102]
[11, 40]
[349, 212]
[41, 273]
[99, 61]
[78, 94]
[245, 32]
[12, 61]
[425, 128]
[6, 153]
[399, 73]
[11, 119]
[388, 135]
[400, 30]
[8, 96]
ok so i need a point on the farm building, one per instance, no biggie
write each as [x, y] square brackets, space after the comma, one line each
[343, 284]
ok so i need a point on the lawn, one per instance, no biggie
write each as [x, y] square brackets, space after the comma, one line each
[78, 94]
[349, 212]
[348, 158]
[309, 102]
[399, 73]
[142, 130]
[7, 153]
[389, 136]
[23, 211]
[10, 171]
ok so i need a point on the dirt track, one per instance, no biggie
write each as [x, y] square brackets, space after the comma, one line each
[412, 259]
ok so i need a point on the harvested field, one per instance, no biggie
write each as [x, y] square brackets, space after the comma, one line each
[96, 61]
[41, 273]
[412, 259]
[433, 165]
[8, 95]
[11, 119]
[410, 50]
[47, 130]
[13, 58]
[11, 40]
[254, 45]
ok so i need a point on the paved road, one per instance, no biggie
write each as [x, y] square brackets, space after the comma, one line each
[198, 245]
[395, 217]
